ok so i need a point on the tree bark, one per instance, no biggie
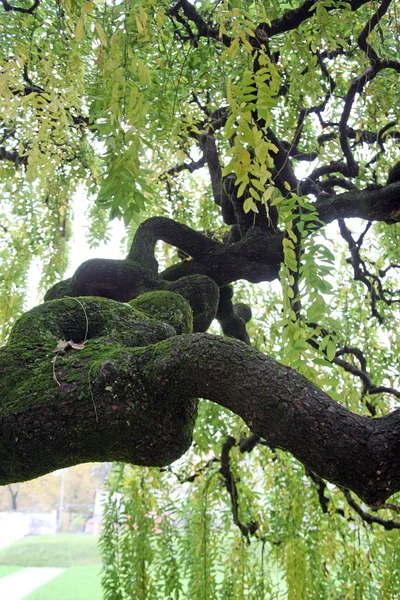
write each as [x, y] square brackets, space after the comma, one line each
[381, 204]
[286, 409]
[129, 394]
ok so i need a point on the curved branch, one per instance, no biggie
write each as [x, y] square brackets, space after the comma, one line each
[192, 15]
[13, 156]
[230, 483]
[291, 19]
[192, 166]
[255, 258]
[27, 11]
[285, 409]
[311, 184]
[141, 379]
[233, 317]
[328, 185]
[258, 255]
[356, 87]
[387, 524]
[161, 228]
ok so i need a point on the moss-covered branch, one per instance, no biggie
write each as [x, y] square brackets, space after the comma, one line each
[128, 394]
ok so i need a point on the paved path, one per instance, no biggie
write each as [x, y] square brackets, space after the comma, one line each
[18, 585]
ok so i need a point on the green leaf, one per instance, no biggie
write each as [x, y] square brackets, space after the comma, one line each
[101, 34]
[249, 205]
[331, 350]
[80, 29]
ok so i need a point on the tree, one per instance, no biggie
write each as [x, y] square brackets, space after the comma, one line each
[43, 494]
[264, 130]
[14, 496]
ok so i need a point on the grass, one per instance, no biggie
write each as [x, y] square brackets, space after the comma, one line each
[77, 583]
[7, 570]
[63, 550]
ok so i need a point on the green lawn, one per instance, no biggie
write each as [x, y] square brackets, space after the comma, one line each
[63, 550]
[7, 570]
[77, 583]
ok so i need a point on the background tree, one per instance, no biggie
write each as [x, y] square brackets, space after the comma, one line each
[14, 490]
[268, 128]
[43, 494]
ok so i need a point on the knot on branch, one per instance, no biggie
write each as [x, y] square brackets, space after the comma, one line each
[125, 280]
[211, 265]
[73, 388]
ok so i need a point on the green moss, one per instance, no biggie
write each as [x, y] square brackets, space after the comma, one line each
[83, 318]
[202, 293]
[59, 290]
[30, 377]
[126, 281]
[167, 307]
[61, 405]
[34, 373]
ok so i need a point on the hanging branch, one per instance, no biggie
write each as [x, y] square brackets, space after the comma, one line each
[388, 524]
[323, 499]
[291, 19]
[368, 28]
[230, 483]
[361, 273]
[193, 16]
[376, 66]
[360, 372]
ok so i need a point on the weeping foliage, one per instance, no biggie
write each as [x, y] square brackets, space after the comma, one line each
[114, 95]
[166, 539]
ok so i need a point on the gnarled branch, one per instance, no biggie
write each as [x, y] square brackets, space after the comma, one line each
[142, 380]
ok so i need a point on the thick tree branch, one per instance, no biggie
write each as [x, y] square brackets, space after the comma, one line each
[143, 399]
[382, 204]
[160, 228]
[211, 156]
[312, 185]
[255, 258]
[288, 411]
[193, 16]
[233, 318]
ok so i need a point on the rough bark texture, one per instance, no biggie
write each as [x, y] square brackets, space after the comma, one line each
[286, 409]
[124, 280]
[128, 394]
[63, 406]
[121, 384]
[256, 258]
[381, 204]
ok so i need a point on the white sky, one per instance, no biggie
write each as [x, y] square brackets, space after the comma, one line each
[79, 247]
